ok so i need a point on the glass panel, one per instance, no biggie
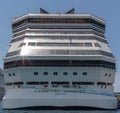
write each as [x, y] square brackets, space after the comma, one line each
[88, 44]
[31, 44]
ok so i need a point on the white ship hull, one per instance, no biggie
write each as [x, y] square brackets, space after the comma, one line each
[54, 52]
[23, 98]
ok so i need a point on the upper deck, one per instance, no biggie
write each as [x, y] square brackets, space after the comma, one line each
[74, 16]
[59, 19]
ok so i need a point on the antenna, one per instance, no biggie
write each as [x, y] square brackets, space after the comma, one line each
[58, 11]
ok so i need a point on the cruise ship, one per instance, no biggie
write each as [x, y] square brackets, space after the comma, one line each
[2, 89]
[59, 61]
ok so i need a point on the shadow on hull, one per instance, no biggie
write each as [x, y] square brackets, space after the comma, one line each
[59, 108]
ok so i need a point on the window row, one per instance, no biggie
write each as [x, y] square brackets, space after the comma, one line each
[59, 20]
[46, 73]
[51, 26]
[58, 32]
[61, 83]
[42, 52]
[87, 44]
[47, 52]
[56, 73]
[61, 32]
[70, 38]
[108, 75]
[60, 63]
[13, 53]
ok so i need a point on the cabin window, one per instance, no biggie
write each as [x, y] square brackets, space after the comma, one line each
[9, 74]
[9, 84]
[105, 74]
[65, 73]
[109, 84]
[82, 83]
[55, 73]
[18, 83]
[22, 44]
[35, 73]
[84, 73]
[97, 45]
[45, 73]
[31, 44]
[109, 75]
[74, 73]
[88, 44]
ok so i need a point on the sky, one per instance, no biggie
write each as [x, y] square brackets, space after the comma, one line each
[106, 9]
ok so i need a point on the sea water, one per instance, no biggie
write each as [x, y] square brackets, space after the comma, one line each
[58, 111]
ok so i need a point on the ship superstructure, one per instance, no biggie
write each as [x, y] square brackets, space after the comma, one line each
[59, 53]
[2, 89]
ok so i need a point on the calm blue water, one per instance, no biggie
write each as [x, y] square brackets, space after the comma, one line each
[58, 111]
